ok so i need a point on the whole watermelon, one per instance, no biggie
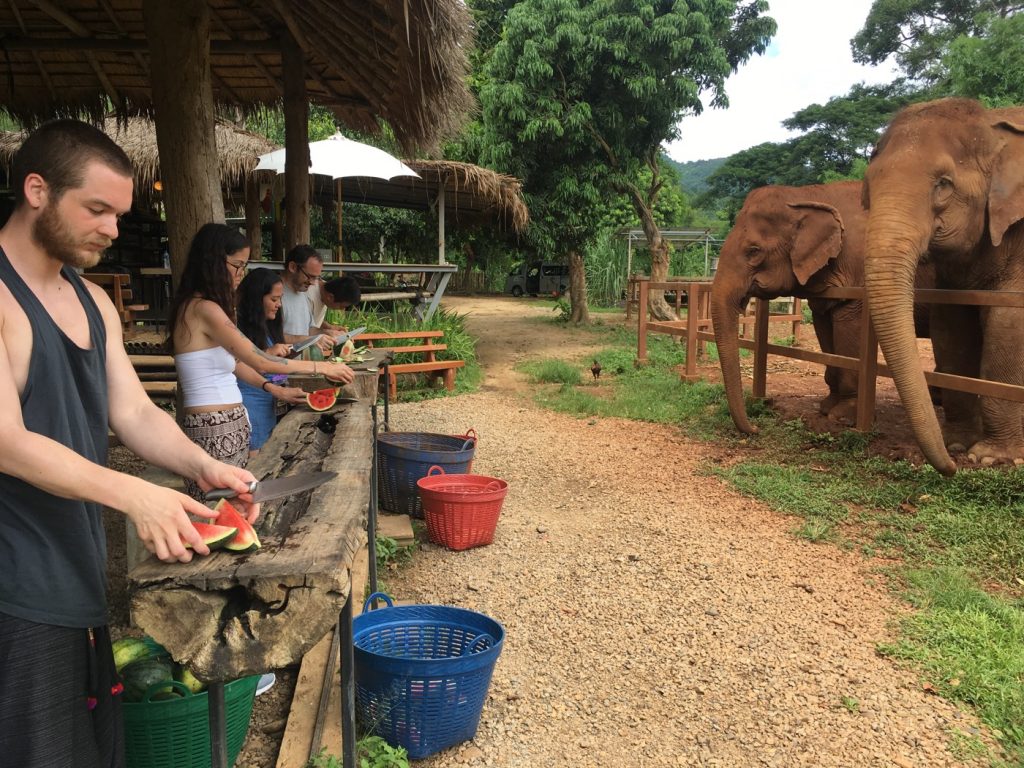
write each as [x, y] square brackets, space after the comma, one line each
[140, 676]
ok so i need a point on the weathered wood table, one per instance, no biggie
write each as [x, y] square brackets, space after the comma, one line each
[229, 615]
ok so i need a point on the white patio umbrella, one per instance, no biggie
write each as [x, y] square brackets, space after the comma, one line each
[340, 157]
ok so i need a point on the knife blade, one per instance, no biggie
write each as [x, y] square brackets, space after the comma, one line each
[275, 488]
[340, 340]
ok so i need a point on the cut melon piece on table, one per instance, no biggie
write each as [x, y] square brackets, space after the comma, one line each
[322, 399]
[214, 536]
[246, 539]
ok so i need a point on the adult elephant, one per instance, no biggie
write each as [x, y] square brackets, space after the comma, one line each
[796, 241]
[947, 180]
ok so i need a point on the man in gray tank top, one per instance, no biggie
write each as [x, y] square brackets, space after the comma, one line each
[64, 379]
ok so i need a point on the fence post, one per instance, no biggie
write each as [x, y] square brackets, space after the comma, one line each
[692, 326]
[761, 348]
[867, 373]
[798, 322]
[641, 324]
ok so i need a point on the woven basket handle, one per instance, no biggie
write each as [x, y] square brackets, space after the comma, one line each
[494, 485]
[155, 688]
[377, 596]
[440, 470]
[471, 647]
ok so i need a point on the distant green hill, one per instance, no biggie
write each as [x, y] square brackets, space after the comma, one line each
[693, 175]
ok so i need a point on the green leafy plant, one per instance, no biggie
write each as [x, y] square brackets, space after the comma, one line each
[371, 752]
[850, 704]
[563, 308]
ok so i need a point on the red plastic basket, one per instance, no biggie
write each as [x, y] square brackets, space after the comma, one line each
[461, 510]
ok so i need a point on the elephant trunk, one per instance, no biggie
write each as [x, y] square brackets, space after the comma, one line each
[724, 317]
[895, 243]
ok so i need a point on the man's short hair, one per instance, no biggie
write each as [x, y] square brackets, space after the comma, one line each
[344, 290]
[300, 254]
[59, 151]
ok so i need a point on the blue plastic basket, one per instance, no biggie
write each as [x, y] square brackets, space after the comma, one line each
[405, 457]
[422, 673]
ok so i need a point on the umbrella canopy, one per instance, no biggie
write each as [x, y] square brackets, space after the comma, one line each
[340, 157]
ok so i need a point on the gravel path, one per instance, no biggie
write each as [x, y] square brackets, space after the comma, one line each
[655, 617]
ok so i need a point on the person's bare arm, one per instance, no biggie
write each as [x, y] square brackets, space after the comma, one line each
[225, 333]
[158, 513]
[290, 395]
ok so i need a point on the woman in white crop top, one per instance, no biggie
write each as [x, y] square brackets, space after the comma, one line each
[210, 351]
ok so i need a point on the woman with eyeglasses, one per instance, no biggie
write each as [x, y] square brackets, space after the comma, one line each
[210, 351]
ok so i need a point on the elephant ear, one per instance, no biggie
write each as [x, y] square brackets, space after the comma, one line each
[1006, 192]
[818, 238]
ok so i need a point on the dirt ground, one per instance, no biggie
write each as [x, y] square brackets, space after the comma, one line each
[654, 617]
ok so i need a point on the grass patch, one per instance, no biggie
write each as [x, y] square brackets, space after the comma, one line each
[552, 372]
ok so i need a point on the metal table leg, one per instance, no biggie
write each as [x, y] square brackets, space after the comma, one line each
[371, 522]
[218, 726]
[348, 684]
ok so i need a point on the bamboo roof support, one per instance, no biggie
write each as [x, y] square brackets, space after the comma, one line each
[35, 56]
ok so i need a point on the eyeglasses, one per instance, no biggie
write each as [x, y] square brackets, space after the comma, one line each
[238, 266]
[309, 277]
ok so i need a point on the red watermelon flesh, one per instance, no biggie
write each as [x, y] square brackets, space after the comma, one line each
[214, 536]
[246, 539]
[322, 399]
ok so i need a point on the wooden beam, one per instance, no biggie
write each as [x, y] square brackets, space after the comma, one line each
[63, 17]
[289, 21]
[130, 44]
[296, 142]
[35, 56]
[182, 89]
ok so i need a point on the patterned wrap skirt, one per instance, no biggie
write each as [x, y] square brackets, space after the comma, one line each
[222, 434]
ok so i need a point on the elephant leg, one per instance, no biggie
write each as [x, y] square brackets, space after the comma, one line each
[956, 341]
[1003, 436]
[823, 330]
[844, 322]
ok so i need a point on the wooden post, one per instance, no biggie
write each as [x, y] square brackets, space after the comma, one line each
[799, 321]
[253, 230]
[641, 325]
[692, 326]
[440, 222]
[179, 52]
[760, 387]
[340, 251]
[867, 374]
[296, 143]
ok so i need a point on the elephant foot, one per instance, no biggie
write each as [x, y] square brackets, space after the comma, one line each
[844, 412]
[988, 453]
[959, 435]
[835, 399]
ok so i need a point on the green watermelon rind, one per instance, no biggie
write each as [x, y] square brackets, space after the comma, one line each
[214, 536]
[246, 540]
[129, 649]
[140, 677]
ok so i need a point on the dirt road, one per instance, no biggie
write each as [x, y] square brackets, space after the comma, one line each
[654, 616]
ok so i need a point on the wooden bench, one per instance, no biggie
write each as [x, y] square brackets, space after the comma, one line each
[429, 347]
[118, 286]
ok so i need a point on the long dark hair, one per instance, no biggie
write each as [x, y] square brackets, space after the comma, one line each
[207, 274]
[252, 319]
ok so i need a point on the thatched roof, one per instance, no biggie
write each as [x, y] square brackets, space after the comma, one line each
[471, 192]
[238, 150]
[401, 60]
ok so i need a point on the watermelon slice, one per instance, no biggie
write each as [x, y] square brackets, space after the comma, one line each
[246, 539]
[214, 536]
[322, 399]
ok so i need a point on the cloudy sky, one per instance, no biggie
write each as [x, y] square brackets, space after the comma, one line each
[808, 62]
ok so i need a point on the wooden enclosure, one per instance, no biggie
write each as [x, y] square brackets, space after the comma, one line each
[866, 364]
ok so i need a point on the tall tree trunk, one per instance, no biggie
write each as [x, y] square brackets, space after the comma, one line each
[659, 249]
[296, 145]
[580, 314]
[179, 52]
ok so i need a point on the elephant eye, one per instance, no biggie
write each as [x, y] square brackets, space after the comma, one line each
[944, 183]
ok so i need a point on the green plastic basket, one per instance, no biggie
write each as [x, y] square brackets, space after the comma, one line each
[175, 733]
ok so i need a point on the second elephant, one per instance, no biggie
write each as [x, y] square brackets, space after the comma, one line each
[797, 241]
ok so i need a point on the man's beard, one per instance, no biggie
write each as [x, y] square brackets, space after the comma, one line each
[54, 237]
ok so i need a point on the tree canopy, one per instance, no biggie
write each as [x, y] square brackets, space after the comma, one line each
[919, 33]
[578, 97]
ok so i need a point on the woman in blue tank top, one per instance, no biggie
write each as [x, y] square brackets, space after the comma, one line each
[259, 318]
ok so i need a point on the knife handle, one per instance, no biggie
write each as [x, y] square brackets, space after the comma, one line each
[217, 494]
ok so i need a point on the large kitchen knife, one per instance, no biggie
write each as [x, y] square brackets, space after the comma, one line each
[264, 490]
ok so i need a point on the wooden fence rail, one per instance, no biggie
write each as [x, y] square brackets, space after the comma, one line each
[866, 364]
